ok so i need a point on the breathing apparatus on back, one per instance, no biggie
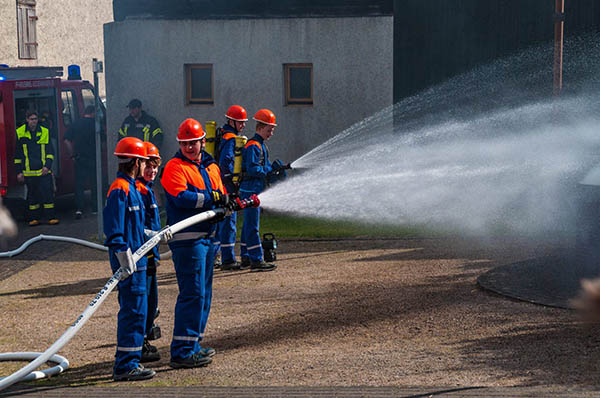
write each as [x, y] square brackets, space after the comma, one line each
[240, 143]
[212, 146]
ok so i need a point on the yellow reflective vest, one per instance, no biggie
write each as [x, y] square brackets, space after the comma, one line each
[33, 151]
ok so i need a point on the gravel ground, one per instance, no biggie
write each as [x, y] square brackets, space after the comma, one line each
[395, 312]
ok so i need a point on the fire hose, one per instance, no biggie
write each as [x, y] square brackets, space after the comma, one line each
[53, 238]
[49, 355]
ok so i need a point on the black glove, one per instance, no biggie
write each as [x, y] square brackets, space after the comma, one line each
[218, 218]
[288, 166]
[219, 199]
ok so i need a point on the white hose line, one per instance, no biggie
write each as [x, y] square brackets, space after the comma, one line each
[54, 238]
[101, 296]
[61, 362]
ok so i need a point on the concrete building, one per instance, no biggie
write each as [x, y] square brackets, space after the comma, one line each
[319, 69]
[54, 33]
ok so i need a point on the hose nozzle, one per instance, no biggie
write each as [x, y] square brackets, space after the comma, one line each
[240, 204]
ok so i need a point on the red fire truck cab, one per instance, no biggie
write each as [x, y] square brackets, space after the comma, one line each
[58, 103]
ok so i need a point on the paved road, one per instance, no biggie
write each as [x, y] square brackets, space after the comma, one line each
[87, 229]
[398, 392]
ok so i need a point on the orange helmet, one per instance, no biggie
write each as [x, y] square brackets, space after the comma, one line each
[237, 113]
[265, 116]
[152, 150]
[131, 147]
[190, 130]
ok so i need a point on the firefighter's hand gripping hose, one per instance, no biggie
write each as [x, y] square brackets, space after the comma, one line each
[49, 355]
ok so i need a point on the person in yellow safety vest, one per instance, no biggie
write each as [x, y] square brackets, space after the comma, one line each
[140, 125]
[33, 164]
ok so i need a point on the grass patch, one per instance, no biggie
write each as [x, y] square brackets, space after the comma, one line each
[288, 226]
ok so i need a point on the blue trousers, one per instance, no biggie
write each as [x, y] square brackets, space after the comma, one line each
[152, 292]
[131, 322]
[226, 234]
[251, 246]
[194, 270]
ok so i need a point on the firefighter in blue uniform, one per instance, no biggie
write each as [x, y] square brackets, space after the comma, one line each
[33, 164]
[226, 232]
[255, 169]
[192, 184]
[152, 226]
[124, 229]
[141, 125]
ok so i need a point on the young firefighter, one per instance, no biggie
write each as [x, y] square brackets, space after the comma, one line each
[226, 231]
[256, 167]
[192, 184]
[124, 230]
[152, 226]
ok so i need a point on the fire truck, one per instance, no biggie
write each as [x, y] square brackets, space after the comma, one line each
[59, 102]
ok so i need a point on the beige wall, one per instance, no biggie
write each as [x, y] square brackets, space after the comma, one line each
[68, 32]
[352, 73]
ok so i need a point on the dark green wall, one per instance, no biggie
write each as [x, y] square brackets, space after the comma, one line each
[434, 40]
[202, 9]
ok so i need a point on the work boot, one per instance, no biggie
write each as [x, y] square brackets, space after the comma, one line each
[139, 373]
[78, 214]
[149, 352]
[195, 361]
[218, 262]
[53, 221]
[207, 352]
[245, 263]
[33, 223]
[231, 266]
[261, 266]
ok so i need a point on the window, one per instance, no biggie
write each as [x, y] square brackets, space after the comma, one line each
[26, 20]
[298, 84]
[199, 84]
[69, 107]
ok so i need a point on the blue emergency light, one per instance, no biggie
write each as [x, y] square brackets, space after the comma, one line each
[74, 72]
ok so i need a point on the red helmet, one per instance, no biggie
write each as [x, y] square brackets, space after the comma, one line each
[265, 116]
[152, 150]
[190, 130]
[237, 113]
[131, 147]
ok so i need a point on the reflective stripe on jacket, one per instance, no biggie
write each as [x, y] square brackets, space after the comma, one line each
[188, 186]
[227, 156]
[124, 217]
[152, 214]
[255, 165]
[146, 129]
[33, 152]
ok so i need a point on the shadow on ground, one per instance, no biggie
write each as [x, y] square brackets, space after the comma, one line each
[87, 287]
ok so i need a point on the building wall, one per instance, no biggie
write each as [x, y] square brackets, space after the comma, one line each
[68, 32]
[213, 9]
[352, 71]
[435, 40]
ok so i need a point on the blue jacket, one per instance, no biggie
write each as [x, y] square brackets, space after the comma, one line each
[227, 156]
[188, 186]
[255, 165]
[152, 215]
[124, 220]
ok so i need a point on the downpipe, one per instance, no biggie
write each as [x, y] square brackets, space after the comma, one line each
[47, 355]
